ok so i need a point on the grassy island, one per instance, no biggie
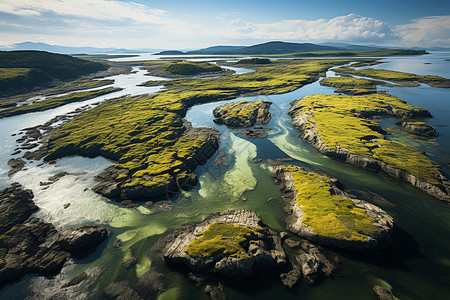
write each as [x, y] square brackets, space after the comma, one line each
[395, 76]
[192, 68]
[350, 85]
[222, 239]
[327, 214]
[55, 102]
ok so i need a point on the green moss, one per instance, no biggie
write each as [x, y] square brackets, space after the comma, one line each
[329, 215]
[222, 239]
[254, 61]
[340, 122]
[340, 82]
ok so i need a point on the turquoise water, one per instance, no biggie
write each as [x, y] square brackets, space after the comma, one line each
[417, 268]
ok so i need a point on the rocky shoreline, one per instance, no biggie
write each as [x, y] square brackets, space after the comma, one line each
[311, 135]
[29, 245]
[418, 128]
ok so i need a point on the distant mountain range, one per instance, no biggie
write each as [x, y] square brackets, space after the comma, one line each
[71, 50]
[274, 47]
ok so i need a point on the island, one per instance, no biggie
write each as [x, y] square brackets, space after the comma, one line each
[243, 113]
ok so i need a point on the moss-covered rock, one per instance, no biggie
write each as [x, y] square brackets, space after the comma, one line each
[254, 61]
[192, 68]
[320, 211]
[243, 113]
[339, 127]
[419, 128]
[232, 244]
[350, 85]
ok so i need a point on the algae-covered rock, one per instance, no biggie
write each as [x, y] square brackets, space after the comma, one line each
[321, 212]
[243, 113]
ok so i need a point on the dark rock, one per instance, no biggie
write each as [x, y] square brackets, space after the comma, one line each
[162, 206]
[129, 262]
[16, 165]
[66, 205]
[382, 293]
[117, 243]
[121, 291]
[252, 133]
[151, 284]
[83, 238]
[257, 160]
[291, 278]
[16, 206]
[129, 204]
[77, 279]
[215, 293]
[419, 128]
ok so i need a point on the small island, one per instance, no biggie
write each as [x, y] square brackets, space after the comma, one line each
[418, 128]
[322, 212]
[350, 85]
[243, 113]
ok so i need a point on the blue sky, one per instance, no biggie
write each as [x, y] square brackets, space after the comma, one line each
[191, 24]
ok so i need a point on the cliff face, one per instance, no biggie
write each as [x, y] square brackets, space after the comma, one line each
[347, 134]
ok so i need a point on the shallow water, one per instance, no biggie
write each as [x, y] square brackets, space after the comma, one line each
[418, 268]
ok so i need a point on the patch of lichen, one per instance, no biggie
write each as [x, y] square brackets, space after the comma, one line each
[329, 215]
[341, 123]
[56, 102]
[222, 239]
[242, 109]
[395, 75]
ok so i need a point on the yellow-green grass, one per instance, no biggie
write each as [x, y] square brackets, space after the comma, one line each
[329, 215]
[394, 75]
[222, 239]
[340, 122]
[340, 82]
[13, 72]
[56, 102]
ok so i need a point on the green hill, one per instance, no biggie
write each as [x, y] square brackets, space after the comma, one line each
[192, 68]
[23, 70]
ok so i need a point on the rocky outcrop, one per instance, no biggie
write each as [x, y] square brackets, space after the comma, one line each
[310, 134]
[382, 293]
[16, 206]
[27, 245]
[243, 113]
[16, 165]
[253, 133]
[419, 128]
[111, 180]
[380, 220]
[121, 291]
[263, 252]
[83, 238]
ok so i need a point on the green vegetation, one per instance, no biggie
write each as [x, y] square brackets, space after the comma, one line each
[329, 215]
[192, 68]
[55, 102]
[24, 70]
[395, 76]
[240, 109]
[350, 85]
[145, 135]
[340, 122]
[254, 61]
[222, 239]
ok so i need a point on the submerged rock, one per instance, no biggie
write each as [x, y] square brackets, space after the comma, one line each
[419, 128]
[320, 211]
[382, 293]
[16, 165]
[243, 113]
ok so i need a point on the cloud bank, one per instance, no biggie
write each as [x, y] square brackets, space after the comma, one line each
[118, 23]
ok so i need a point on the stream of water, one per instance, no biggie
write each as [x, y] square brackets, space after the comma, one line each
[417, 268]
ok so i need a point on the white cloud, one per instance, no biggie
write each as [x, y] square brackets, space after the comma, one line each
[351, 27]
[94, 9]
[428, 31]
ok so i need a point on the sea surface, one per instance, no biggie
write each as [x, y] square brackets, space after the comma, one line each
[418, 266]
